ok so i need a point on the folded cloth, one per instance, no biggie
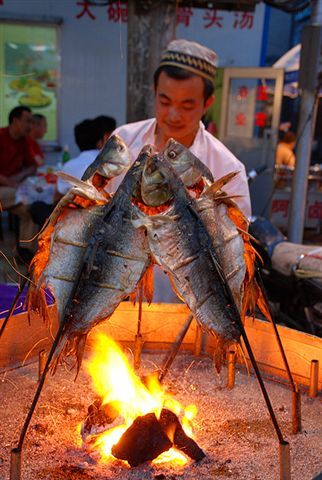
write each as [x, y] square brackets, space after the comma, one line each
[7, 295]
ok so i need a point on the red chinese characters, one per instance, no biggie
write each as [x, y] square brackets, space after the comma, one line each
[85, 4]
[280, 206]
[262, 93]
[261, 119]
[315, 210]
[243, 92]
[243, 20]
[117, 12]
[213, 18]
[183, 15]
[240, 119]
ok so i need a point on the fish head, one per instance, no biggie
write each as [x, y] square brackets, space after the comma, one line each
[112, 160]
[146, 152]
[156, 185]
[184, 162]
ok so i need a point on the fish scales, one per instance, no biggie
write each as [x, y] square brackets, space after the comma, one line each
[213, 211]
[227, 241]
[67, 254]
[114, 263]
[63, 242]
[179, 234]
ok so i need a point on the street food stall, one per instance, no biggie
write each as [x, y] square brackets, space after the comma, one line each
[283, 178]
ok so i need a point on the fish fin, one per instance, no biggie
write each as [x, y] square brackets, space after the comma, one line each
[80, 187]
[146, 221]
[241, 349]
[74, 181]
[221, 347]
[142, 222]
[67, 347]
[216, 186]
[219, 352]
[174, 288]
[36, 302]
[263, 306]
[146, 284]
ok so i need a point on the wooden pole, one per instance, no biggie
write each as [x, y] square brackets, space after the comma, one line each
[285, 461]
[15, 464]
[231, 370]
[314, 378]
[296, 411]
[138, 341]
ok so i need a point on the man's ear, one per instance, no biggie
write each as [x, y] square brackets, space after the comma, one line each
[209, 102]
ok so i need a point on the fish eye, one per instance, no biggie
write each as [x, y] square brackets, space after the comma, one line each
[120, 148]
[172, 154]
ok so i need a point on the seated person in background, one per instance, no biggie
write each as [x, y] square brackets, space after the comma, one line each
[90, 136]
[17, 163]
[284, 150]
[38, 131]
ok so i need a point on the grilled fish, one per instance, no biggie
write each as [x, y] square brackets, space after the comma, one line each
[180, 244]
[213, 207]
[187, 166]
[64, 240]
[226, 225]
[115, 261]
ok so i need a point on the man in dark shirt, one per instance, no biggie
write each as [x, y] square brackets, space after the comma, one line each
[38, 131]
[17, 163]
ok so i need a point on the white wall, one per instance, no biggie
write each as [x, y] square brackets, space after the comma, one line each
[93, 55]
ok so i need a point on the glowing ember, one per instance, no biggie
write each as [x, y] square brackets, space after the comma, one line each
[118, 386]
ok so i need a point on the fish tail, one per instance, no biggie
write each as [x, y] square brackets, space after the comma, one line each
[36, 302]
[219, 353]
[221, 347]
[243, 356]
[68, 346]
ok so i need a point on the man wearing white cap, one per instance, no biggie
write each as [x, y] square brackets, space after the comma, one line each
[184, 91]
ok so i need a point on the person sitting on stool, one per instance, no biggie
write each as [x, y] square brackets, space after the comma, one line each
[17, 163]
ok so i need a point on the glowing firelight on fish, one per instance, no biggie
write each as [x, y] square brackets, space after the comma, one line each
[115, 382]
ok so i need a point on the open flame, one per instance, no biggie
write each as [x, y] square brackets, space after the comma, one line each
[118, 385]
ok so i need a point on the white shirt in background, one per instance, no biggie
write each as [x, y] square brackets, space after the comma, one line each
[206, 147]
[76, 167]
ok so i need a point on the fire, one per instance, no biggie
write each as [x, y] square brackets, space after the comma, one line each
[117, 384]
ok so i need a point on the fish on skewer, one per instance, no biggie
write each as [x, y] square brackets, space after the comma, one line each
[181, 245]
[64, 239]
[226, 225]
[114, 264]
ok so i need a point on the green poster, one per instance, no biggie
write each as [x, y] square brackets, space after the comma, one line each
[30, 64]
[212, 117]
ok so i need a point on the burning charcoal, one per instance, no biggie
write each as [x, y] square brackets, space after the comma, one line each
[144, 440]
[172, 428]
[98, 418]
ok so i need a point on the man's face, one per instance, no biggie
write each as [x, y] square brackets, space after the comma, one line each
[22, 125]
[40, 129]
[179, 106]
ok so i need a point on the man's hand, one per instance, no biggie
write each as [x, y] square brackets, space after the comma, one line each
[24, 173]
[8, 182]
